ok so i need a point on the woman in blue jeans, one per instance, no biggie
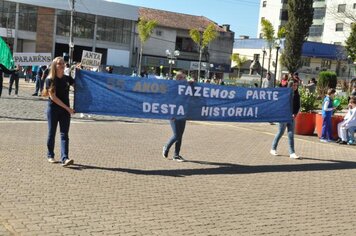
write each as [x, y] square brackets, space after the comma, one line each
[178, 127]
[289, 125]
[58, 111]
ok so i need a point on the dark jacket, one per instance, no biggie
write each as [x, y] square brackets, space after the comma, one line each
[296, 102]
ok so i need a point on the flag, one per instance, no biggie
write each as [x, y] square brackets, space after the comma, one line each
[5, 55]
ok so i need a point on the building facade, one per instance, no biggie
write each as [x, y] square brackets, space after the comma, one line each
[44, 26]
[316, 57]
[331, 22]
[172, 33]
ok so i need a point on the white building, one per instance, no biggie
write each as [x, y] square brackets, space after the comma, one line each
[316, 57]
[331, 23]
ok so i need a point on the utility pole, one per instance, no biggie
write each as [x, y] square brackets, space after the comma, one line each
[71, 43]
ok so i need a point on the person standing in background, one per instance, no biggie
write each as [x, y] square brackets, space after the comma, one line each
[14, 77]
[3, 70]
[327, 112]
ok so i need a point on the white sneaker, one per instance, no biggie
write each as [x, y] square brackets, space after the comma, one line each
[294, 156]
[273, 152]
[68, 162]
[51, 160]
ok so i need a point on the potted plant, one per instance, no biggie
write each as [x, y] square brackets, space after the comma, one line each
[305, 120]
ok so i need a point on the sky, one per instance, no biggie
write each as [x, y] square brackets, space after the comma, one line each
[241, 15]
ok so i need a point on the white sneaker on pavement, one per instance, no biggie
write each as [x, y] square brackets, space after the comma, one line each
[51, 160]
[273, 152]
[294, 156]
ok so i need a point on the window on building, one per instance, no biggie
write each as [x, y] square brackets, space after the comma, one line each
[264, 3]
[28, 18]
[319, 12]
[186, 45]
[83, 27]
[337, 43]
[159, 32]
[114, 30]
[7, 14]
[341, 8]
[306, 61]
[283, 15]
[354, 5]
[339, 27]
[325, 64]
[262, 18]
[316, 30]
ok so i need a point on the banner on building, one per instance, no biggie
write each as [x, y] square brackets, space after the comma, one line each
[91, 60]
[32, 59]
[116, 95]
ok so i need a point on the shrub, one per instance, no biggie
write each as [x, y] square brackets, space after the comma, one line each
[326, 80]
[307, 101]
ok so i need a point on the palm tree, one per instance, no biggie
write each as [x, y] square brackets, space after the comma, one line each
[203, 39]
[268, 34]
[145, 29]
[239, 61]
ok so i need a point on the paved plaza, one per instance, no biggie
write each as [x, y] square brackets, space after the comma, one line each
[121, 185]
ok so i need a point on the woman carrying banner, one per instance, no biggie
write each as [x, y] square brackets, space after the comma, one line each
[289, 125]
[178, 126]
[58, 111]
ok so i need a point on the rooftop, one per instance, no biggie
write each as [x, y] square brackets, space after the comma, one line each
[310, 49]
[177, 20]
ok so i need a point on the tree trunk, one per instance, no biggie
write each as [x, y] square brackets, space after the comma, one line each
[200, 53]
[269, 59]
[139, 62]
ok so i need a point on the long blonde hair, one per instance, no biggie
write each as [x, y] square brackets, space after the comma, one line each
[52, 75]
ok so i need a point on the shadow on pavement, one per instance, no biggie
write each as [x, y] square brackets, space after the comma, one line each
[229, 168]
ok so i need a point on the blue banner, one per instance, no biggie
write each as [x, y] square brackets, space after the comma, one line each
[116, 95]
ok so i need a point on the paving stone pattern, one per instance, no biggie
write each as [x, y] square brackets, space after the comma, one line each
[121, 185]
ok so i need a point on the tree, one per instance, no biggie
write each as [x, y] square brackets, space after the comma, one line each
[268, 34]
[202, 39]
[145, 29]
[351, 43]
[300, 18]
[239, 61]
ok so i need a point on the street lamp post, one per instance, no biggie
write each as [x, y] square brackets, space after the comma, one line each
[275, 71]
[71, 43]
[171, 59]
[263, 63]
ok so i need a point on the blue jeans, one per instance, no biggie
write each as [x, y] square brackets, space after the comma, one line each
[351, 133]
[281, 128]
[178, 127]
[326, 132]
[55, 116]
